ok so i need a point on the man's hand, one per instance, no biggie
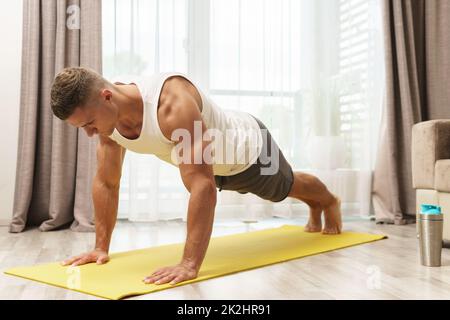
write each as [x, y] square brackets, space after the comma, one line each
[178, 273]
[96, 255]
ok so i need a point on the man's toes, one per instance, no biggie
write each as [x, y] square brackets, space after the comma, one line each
[331, 231]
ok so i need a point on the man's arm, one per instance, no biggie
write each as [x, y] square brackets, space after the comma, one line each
[105, 194]
[105, 190]
[199, 181]
[198, 178]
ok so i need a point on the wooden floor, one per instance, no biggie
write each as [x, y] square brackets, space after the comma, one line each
[386, 269]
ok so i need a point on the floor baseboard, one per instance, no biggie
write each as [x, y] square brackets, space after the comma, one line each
[4, 222]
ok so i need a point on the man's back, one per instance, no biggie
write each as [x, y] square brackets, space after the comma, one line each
[237, 138]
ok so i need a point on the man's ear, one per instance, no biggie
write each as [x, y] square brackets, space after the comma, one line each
[106, 94]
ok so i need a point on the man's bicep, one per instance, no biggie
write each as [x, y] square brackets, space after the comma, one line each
[186, 128]
[196, 166]
[195, 162]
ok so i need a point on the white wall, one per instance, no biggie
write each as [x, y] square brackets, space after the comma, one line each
[10, 69]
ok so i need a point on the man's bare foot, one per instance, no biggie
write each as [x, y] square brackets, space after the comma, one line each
[333, 219]
[315, 218]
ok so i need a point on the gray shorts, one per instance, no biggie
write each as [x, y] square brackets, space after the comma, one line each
[274, 187]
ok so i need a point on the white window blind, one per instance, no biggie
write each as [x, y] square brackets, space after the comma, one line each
[361, 66]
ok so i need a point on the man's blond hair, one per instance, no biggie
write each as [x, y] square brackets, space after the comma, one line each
[72, 88]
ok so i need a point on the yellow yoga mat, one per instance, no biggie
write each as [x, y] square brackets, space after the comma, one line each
[122, 275]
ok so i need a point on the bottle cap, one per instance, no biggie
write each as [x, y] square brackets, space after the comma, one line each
[430, 209]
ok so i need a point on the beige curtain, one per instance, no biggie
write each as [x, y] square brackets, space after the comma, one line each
[55, 162]
[417, 47]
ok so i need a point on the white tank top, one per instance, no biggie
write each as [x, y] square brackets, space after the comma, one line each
[242, 138]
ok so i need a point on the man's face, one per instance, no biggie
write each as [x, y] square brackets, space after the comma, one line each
[97, 117]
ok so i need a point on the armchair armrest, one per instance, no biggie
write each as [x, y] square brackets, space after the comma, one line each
[430, 143]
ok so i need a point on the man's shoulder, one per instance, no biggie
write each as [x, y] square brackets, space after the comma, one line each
[178, 90]
[179, 114]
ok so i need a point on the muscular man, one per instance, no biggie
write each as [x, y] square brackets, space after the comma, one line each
[169, 116]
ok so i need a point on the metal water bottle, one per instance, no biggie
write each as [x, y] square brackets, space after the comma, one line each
[430, 228]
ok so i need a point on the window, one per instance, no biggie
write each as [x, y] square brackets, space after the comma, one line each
[311, 70]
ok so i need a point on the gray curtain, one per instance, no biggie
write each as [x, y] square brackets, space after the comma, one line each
[55, 162]
[417, 52]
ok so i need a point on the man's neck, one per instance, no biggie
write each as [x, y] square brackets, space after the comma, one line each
[130, 106]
